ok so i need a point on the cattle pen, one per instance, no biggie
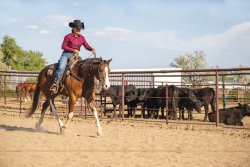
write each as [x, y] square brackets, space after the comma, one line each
[226, 93]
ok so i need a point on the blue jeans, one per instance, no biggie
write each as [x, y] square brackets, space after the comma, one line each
[62, 64]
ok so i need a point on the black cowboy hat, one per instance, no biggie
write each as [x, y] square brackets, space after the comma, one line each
[77, 23]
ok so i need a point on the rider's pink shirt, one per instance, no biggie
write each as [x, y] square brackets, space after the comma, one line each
[70, 43]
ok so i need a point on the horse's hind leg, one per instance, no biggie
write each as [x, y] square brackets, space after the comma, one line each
[57, 117]
[45, 106]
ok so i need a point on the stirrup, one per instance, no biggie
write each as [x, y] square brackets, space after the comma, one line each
[57, 87]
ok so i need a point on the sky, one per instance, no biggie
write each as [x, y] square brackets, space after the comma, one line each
[134, 33]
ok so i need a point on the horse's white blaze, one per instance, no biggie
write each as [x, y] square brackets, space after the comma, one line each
[107, 83]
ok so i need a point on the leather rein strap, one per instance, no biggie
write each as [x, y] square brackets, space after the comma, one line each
[75, 76]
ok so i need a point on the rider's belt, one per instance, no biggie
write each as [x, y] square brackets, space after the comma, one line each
[68, 51]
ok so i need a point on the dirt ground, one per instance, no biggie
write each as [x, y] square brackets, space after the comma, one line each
[135, 142]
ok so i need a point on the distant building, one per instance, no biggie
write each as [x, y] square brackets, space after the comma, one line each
[231, 84]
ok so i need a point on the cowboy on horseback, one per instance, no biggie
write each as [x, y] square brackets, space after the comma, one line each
[71, 45]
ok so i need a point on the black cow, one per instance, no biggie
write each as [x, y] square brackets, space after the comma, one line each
[115, 93]
[140, 96]
[145, 98]
[151, 103]
[133, 97]
[131, 105]
[156, 98]
[181, 97]
[231, 116]
[188, 102]
[173, 97]
[206, 96]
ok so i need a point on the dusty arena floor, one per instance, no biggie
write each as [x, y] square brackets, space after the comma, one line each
[132, 143]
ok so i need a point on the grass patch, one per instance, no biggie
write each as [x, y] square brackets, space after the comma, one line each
[9, 92]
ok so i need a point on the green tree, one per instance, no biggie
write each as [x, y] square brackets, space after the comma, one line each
[10, 50]
[35, 61]
[235, 77]
[3, 65]
[19, 59]
[243, 77]
[195, 60]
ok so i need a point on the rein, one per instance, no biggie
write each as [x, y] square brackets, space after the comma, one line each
[75, 76]
[92, 54]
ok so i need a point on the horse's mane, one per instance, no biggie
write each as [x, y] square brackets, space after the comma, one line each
[89, 62]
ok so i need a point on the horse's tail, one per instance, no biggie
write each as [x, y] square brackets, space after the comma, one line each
[35, 102]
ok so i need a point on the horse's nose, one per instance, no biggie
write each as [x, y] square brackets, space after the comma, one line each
[105, 86]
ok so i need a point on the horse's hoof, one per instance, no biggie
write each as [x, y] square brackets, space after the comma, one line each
[99, 133]
[38, 127]
[62, 131]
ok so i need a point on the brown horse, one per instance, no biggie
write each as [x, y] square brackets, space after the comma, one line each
[25, 89]
[18, 90]
[80, 83]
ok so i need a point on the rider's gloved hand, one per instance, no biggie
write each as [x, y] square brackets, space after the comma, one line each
[93, 51]
[76, 51]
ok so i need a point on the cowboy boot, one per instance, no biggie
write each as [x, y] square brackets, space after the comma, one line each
[54, 88]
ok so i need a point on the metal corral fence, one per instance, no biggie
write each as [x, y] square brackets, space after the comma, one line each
[228, 92]
[11, 100]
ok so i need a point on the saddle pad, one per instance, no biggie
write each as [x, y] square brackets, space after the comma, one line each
[52, 68]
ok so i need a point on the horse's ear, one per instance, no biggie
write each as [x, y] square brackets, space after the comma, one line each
[100, 59]
[109, 61]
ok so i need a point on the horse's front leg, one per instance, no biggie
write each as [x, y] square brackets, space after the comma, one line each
[91, 102]
[72, 101]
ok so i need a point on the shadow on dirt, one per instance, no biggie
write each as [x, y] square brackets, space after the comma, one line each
[15, 128]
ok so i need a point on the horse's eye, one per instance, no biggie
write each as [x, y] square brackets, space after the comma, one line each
[101, 70]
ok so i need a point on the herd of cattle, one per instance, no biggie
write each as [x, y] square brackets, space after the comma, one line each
[154, 99]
